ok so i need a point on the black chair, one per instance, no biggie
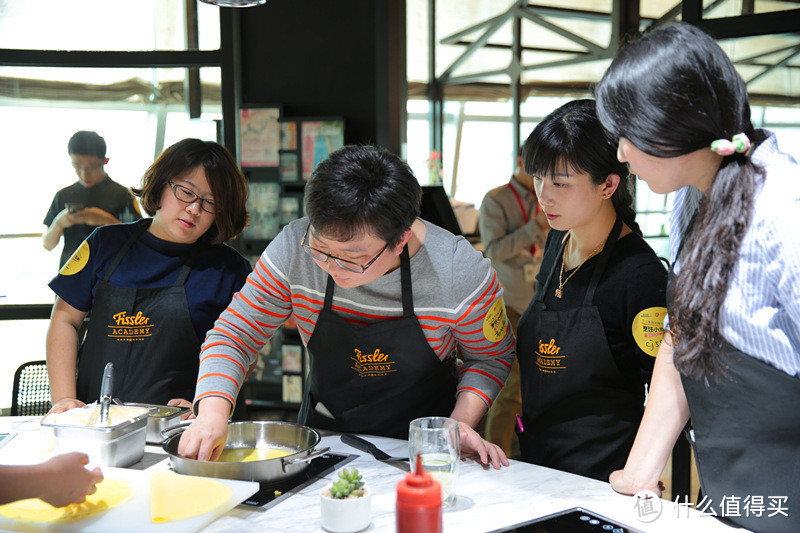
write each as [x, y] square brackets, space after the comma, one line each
[31, 395]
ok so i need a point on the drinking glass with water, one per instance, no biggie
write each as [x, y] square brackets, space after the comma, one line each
[437, 441]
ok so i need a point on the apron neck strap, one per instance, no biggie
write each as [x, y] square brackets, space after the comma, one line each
[540, 292]
[602, 262]
[143, 225]
[189, 263]
[405, 283]
[329, 292]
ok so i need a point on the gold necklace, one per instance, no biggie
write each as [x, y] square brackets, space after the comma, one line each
[560, 289]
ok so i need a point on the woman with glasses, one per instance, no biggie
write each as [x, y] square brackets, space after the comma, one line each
[153, 287]
[385, 303]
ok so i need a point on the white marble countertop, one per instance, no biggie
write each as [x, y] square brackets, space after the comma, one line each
[486, 499]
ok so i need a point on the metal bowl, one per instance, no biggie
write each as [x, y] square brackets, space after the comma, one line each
[303, 439]
[159, 418]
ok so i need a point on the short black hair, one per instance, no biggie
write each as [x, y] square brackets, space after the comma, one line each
[363, 189]
[227, 183]
[572, 137]
[87, 143]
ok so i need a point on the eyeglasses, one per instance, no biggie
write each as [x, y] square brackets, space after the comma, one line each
[88, 168]
[322, 257]
[188, 197]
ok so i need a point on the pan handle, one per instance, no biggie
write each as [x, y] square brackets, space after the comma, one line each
[182, 426]
[313, 455]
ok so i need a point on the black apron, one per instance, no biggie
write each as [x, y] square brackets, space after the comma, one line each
[579, 412]
[146, 332]
[745, 433]
[377, 378]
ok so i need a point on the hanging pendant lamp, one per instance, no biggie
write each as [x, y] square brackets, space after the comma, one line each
[235, 3]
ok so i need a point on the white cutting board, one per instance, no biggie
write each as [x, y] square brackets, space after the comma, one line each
[134, 515]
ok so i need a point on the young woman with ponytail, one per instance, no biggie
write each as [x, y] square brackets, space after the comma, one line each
[731, 357]
[587, 342]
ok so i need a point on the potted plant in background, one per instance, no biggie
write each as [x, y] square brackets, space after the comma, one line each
[345, 504]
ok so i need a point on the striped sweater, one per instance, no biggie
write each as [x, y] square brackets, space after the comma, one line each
[456, 299]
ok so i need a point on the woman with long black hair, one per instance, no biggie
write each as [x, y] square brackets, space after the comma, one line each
[731, 357]
[587, 341]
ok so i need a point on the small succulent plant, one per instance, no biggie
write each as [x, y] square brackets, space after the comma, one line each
[349, 483]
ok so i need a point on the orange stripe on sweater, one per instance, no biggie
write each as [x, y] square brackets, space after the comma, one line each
[317, 303]
[216, 393]
[265, 288]
[259, 286]
[505, 363]
[239, 345]
[263, 310]
[228, 357]
[243, 319]
[265, 326]
[234, 326]
[476, 391]
[488, 375]
[491, 289]
[435, 319]
[280, 285]
[217, 375]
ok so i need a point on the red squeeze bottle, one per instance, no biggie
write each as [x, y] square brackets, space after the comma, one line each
[419, 503]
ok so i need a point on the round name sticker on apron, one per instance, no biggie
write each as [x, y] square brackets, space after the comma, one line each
[648, 329]
[495, 324]
[77, 261]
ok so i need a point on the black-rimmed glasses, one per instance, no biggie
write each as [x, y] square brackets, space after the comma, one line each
[323, 257]
[188, 197]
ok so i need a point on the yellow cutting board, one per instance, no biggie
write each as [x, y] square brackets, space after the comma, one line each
[134, 515]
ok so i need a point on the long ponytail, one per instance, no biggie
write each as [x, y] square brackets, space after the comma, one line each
[709, 255]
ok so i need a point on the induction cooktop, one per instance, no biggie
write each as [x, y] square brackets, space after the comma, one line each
[575, 520]
[273, 492]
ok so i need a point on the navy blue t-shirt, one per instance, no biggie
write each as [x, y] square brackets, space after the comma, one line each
[219, 271]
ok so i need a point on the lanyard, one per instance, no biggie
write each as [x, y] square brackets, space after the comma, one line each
[524, 211]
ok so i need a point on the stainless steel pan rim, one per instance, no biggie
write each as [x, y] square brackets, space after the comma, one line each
[251, 435]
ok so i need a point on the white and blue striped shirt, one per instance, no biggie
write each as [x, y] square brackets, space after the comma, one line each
[761, 312]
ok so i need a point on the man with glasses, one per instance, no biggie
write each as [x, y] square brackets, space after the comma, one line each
[401, 318]
[94, 200]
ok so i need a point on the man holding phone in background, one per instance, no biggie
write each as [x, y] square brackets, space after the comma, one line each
[94, 200]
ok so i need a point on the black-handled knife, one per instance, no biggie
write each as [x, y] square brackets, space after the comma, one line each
[377, 453]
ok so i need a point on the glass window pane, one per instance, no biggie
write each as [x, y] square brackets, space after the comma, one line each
[36, 131]
[417, 106]
[782, 115]
[103, 25]
[418, 148]
[489, 109]
[486, 159]
[22, 341]
[26, 270]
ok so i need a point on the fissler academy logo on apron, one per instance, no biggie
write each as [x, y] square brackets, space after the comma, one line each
[372, 364]
[130, 328]
[549, 358]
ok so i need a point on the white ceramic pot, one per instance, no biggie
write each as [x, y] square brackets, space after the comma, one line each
[345, 516]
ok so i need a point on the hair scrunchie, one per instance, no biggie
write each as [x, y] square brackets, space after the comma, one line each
[738, 144]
